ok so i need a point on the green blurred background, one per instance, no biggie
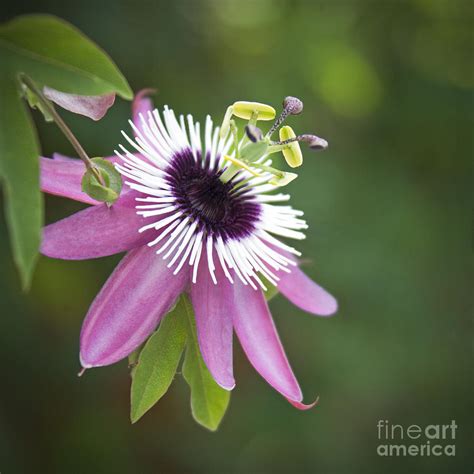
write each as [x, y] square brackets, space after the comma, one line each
[389, 84]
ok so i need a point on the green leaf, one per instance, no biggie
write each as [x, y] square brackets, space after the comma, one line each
[209, 401]
[157, 362]
[54, 53]
[109, 191]
[19, 172]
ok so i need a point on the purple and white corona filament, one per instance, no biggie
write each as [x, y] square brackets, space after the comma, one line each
[194, 200]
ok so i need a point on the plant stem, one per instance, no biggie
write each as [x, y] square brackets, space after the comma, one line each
[62, 125]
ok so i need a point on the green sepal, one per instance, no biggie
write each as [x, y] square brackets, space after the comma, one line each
[156, 365]
[109, 190]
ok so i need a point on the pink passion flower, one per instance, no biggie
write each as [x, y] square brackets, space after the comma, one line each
[189, 221]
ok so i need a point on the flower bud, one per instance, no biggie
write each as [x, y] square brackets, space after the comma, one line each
[292, 154]
[109, 189]
[245, 110]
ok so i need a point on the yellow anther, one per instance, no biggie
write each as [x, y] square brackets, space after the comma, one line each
[245, 110]
[292, 154]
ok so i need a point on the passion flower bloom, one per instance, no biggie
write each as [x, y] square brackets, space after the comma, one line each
[190, 221]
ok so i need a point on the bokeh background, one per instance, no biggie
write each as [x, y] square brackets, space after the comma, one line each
[389, 84]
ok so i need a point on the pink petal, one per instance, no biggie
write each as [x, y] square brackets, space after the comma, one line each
[62, 176]
[141, 105]
[94, 107]
[128, 308]
[60, 157]
[259, 339]
[214, 307]
[95, 232]
[305, 293]
[303, 406]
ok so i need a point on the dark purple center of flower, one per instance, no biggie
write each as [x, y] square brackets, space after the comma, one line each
[200, 193]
